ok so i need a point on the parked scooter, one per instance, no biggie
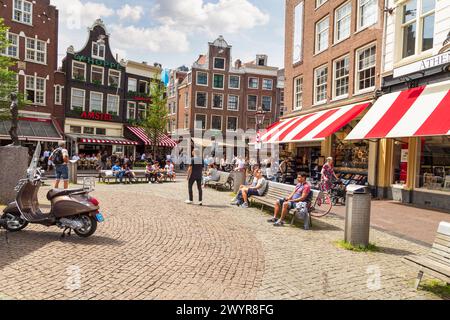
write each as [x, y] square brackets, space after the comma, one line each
[70, 209]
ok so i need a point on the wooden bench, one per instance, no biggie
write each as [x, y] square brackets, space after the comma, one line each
[437, 262]
[139, 177]
[223, 181]
[278, 191]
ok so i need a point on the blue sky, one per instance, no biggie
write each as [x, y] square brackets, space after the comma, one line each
[174, 32]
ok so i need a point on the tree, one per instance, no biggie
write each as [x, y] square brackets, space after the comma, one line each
[9, 101]
[155, 123]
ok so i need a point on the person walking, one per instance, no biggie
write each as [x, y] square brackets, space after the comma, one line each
[328, 174]
[194, 175]
[60, 157]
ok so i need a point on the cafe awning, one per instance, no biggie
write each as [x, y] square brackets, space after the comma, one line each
[44, 130]
[417, 112]
[86, 139]
[312, 127]
[163, 140]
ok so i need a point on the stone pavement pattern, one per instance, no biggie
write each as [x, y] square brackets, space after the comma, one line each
[153, 246]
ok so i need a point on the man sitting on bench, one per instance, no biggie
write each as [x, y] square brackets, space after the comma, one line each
[246, 192]
[300, 198]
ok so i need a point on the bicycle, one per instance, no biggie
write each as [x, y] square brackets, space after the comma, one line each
[323, 203]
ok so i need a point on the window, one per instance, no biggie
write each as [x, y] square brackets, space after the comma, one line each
[233, 103]
[232, 124]
[253, 83]
[186, 120]
[78, 71]
[341, 77]
[23, 11]
[97, 75]
[142, 111]
[96, 102]
[342, 22]
[75, 129]
[131, 110]
[114, 78]
[365, 73]
[219, 63]
[218, 81]
[298, 93]
[201, 99]
[132, 85]
[234, 82]
[322, 32]
[367, 13]
[267, 84]
[217, 102]
[36, 51]
[77, 100]
[267, 104]
[100, 131]
[58, 94]
[13, 49]
[216, 123]
[202, 79]
[35, 90]
[320, 85]
[88, 130]
[417, 26]
[186, 100]
[98, 51]
[143, 87]
[320, 2]
[252, 102]
[112, 106]
[200, 121]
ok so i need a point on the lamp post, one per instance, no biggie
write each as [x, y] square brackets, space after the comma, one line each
[260, 116]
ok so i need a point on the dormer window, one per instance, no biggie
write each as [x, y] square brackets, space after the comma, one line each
[219, 63]
[98, 50]
[23, 11]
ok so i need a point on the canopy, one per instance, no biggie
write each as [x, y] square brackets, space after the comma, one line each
[32, 130]
[423, 111]
[103, 140]
[163, 140]
[314, 126]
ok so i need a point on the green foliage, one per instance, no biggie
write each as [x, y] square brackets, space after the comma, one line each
[8, 83]
[348, 246]
[437, 287]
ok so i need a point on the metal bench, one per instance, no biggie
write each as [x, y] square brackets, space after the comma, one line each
[223, 181]
[437, 262]
[277, 191]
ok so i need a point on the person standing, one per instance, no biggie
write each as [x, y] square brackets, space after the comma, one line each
[60, 157]
[328, 174]
[194, 175]
[46, 155]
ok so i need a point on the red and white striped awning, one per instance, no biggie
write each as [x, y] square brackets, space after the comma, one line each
[418, 112]
[108, 141]
[313, 127]
[163, 140]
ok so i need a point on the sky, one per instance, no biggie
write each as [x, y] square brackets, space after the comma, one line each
[175, 32]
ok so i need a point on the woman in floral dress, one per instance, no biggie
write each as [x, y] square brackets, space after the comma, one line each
[328, 174]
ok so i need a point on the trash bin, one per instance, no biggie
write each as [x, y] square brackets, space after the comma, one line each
[357, 217]
[73, 172]
[239, 179]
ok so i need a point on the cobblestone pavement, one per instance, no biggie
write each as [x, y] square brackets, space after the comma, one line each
[153, 246]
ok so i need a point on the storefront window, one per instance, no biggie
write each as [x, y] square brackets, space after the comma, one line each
[400, 163]
[435, 163]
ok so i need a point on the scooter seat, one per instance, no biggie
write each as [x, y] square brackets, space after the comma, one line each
[61, 192]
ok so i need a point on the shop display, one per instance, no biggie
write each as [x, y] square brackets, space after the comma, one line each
[350, 178]
[435, 164]
[349, 156]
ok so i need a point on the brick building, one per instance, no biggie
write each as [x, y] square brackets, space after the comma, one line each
[33, 34]
[221, 95]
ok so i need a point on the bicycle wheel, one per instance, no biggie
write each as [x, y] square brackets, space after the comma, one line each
[322, 205]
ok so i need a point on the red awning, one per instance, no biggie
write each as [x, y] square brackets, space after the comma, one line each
[313, 127]
[108, 141]
[163, 140]
[418, 112]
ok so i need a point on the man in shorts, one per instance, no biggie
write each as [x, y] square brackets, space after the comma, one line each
[60, 157]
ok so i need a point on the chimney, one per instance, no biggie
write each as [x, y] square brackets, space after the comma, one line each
[238, 64]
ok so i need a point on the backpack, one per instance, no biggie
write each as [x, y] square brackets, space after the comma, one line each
[58, 157]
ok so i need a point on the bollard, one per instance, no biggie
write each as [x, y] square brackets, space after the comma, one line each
[239, 179]
[73, 172]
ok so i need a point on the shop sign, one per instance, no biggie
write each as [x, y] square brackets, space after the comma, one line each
[97, 62]
[422, 65]
[97, 116]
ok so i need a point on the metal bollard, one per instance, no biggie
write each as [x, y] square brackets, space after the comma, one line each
[357, 217]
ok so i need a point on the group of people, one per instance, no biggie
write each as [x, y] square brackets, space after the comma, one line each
[155, 173]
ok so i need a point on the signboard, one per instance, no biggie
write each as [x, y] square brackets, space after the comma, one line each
[435, 61]
[97, 62]
[97, 116]
[298, 33]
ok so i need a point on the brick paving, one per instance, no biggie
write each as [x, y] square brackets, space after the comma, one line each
[153, 246]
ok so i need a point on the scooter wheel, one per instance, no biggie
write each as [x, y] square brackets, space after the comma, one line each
[22, 223]
[89, 229]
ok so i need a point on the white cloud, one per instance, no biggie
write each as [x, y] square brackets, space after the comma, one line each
[158, 39]
[224, 16]
[128, 12]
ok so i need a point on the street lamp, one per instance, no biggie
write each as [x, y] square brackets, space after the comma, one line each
[260, 116]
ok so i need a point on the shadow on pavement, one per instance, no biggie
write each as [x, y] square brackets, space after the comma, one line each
[395, 252]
